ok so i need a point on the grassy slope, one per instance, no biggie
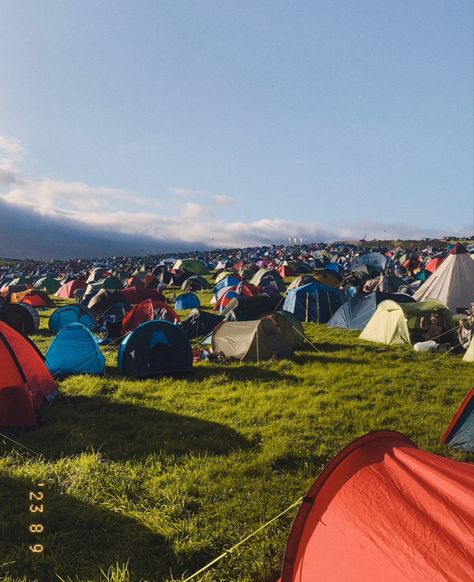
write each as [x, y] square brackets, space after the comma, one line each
[158, 477]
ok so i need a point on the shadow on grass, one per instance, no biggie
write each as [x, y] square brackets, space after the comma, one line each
[76, 424]
[254, 373]
[78, 538]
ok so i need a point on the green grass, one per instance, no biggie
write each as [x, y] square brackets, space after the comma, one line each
[150, 480]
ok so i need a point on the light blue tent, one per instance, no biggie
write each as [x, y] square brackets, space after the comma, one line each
[187, 301]
[375, 260]
[75, 351]
[71, 314]
[313, 302]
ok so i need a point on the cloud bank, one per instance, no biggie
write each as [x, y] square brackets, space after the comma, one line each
[52, 218]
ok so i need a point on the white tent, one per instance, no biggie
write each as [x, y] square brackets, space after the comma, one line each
[452, 283]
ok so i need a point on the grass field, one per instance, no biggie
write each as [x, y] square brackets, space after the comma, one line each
[150, 480]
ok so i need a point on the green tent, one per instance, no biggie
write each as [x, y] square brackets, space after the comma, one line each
[48, 284]
[399, 323]
[194, 266]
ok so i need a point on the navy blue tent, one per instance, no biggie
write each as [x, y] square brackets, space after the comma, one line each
[200, 323]
[74, 351]
[187, 301]
[21, 316]
[355, 313]
[460, 432]
[71, 314]
[155, 348]
[313, 302]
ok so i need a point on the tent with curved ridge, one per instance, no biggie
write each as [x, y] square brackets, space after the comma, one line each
[71, 314]
[26, 385]
[21, 316]
[148, 310]
[33, 297]
[313, 302]
[187, 301]
[48, 284]
[383, 509]
[155, 348]
[67, 290]
[74, 351]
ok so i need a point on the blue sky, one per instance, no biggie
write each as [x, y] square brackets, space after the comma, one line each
[245, 122]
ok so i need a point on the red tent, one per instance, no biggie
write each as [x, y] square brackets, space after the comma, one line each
[385, 510]
[67, 290]
[432, 265]
[286, 271]
[25, 382]
[147, 310]
[33, 297]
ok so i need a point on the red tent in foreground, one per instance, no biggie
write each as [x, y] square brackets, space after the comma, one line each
[385, 510]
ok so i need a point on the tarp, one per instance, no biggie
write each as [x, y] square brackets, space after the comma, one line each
[75, 351]
[385, 510]
[460, 432]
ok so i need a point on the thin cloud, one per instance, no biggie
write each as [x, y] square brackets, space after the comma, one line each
[185, 192]
[223, 200]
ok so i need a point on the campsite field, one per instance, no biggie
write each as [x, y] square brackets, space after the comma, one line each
[150, 480]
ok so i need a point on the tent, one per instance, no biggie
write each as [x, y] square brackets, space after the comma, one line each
[194, 266]
[399, 323]
[25, 382]
[248, 308]
[148, 310]
[375, 260]
[200, 323]
[75, 351]
[265, 277]
[67, 290]
[327, 277]
[250, 340]
[187, 301]
[301, 280]
[313, 302]
[383, 509]
[48, 284]
[460, 432]
[453, 281]
[71, 314]
[355, 313]
[469, 355]
[195, 283]
[21, 316]
[33, 297]
[155, 348]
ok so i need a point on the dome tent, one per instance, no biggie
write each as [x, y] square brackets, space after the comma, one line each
[398, 323]
[74, 351]
[21, 316]
[460, 432]
[71, 314]
[384, 509]
[187, 301]
[155, 348]
[25, 382]
[313, 302]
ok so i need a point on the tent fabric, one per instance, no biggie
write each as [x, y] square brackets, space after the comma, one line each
[384, 510]
[301, 280]
[460, 431]
[313, 302]
[25, 382]
[375, 260]
[194, 266]
[155, 348]
[250, 340]
[148, 310]
[290, 328]
[67, 290]
[71, 314]
[469, 355]
[33, 297]
[250, 308]
[195, 283]
[264, 277]
[21, 316]
[398, 323]
[327, 277]
[187, 301]
[75, 351]
[200, 323]
[356, 313]
[48, 284]
[452, 283]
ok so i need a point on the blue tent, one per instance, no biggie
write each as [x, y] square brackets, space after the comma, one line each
[71, 314]
[460, 432]
[75, 351]
[375, 260]
[155, 348]
[355, 313]
[187, 301]
[229, 281]
[313, 302]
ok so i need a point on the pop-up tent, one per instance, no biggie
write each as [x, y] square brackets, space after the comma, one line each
[399, 323]
[155, 348]
[187, 301]
[460, 432]
[71, 314]
[250, 340]
[75, 351]
[148, 310]
[25, 382]
[21, 316]
[384, 510]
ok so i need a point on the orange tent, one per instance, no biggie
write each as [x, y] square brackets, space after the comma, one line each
[385, 510]
[33, 297]
[25, 382]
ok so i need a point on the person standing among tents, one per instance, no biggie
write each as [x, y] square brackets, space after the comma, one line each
[434, 328]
